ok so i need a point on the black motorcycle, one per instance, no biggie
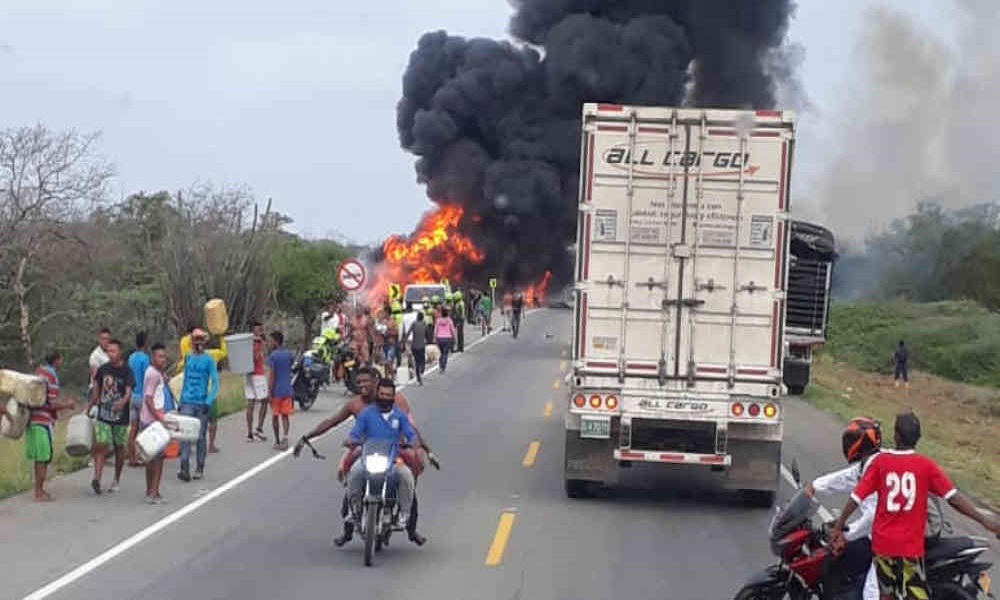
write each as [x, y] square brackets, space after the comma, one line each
[308, 375]
[807, 568]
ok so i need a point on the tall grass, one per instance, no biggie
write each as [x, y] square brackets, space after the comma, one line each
[956, 340]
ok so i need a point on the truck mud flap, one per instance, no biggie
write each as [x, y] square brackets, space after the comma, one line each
[756, 465]
[590, 460]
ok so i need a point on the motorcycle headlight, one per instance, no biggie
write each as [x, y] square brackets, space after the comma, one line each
[376, 463]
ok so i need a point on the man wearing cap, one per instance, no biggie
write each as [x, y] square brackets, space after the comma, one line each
[201, 384]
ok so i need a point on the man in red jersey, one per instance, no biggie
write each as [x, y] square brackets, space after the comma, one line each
[903, 480]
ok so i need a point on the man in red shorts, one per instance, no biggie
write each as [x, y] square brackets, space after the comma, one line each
[903, 480]
[280, 383]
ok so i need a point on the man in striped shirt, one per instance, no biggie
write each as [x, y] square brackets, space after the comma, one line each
[38, 436]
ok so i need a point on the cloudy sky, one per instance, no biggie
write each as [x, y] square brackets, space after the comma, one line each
[296, 98]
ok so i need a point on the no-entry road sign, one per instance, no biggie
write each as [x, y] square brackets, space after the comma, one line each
[351, 275]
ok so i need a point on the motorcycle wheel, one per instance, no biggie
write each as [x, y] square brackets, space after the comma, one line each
[371, 532]
[951, 591]
[307, 400]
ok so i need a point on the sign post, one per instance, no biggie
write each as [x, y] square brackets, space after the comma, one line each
[493, 294]
[352, 276]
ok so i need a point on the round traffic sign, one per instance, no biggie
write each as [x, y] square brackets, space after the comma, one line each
[351, 275]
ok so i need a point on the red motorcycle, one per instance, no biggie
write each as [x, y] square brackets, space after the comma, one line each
[808, 569]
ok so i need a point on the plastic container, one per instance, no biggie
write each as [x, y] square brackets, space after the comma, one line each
[29, 390]
[187, 428]
[240, 346]
[15, 420]
[402, 374]
[216, 316]
[433, 353]
[152, 441]
[79, 435]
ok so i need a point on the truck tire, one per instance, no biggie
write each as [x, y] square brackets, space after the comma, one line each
[796, 390]
[578, 488]
[759, 498]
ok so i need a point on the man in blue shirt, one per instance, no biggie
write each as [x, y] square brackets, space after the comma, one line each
[138, 362]
[381, 421]
[201, 385]
[280, 383]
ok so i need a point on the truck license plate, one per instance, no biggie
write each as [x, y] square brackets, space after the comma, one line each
[595, 427]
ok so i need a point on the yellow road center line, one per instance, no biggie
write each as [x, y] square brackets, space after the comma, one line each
[529, 458]
[548, 409]
[555, 384]
[562, 366]
[495, 554]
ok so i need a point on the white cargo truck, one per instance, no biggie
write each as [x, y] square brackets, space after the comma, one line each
[682, 259]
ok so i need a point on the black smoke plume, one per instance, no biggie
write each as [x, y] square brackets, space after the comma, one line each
[495, 124]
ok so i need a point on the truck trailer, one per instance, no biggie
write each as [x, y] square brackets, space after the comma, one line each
[679, 297]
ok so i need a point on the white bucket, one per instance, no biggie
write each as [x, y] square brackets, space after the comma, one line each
[29, 390]
[183, 427]
[152, 441]
[402, 374]
[240, 347]
[79, 435]
[15, 420]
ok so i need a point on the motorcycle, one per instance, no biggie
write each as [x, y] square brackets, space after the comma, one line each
[347, 363]
[379, 512]
[308, 375]
[807, 568]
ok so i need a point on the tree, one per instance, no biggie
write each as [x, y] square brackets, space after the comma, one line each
[306, 278]
[46, 180]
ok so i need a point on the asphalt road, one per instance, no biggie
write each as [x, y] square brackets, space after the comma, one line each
[270, 537]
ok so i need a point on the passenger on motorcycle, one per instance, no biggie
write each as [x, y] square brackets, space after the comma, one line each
[382, 421]
[354, 407]
[903, 481]
[861, 441]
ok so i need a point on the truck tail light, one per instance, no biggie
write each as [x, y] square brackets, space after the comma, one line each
[579, 401]
[737, 409]
[595, 401]
[611, 402]
[754, 409]
[770, 410]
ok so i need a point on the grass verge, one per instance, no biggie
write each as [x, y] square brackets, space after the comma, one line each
[956, 340]
[16, 472]
[960, 426]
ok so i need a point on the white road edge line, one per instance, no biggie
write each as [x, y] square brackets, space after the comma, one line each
[823, 512]
[127, 544]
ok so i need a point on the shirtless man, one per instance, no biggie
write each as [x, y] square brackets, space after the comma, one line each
[413, 458]
[361, 337]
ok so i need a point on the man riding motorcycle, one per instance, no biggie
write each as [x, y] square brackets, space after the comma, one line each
[861, 441]
[381, 421]
[366, 379]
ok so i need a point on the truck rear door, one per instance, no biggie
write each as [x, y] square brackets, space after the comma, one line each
[682, 244]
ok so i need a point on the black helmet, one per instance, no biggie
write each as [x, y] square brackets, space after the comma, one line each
[861, 438]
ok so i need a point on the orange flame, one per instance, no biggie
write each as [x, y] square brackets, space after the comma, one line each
[435, 251]
[535, 294]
